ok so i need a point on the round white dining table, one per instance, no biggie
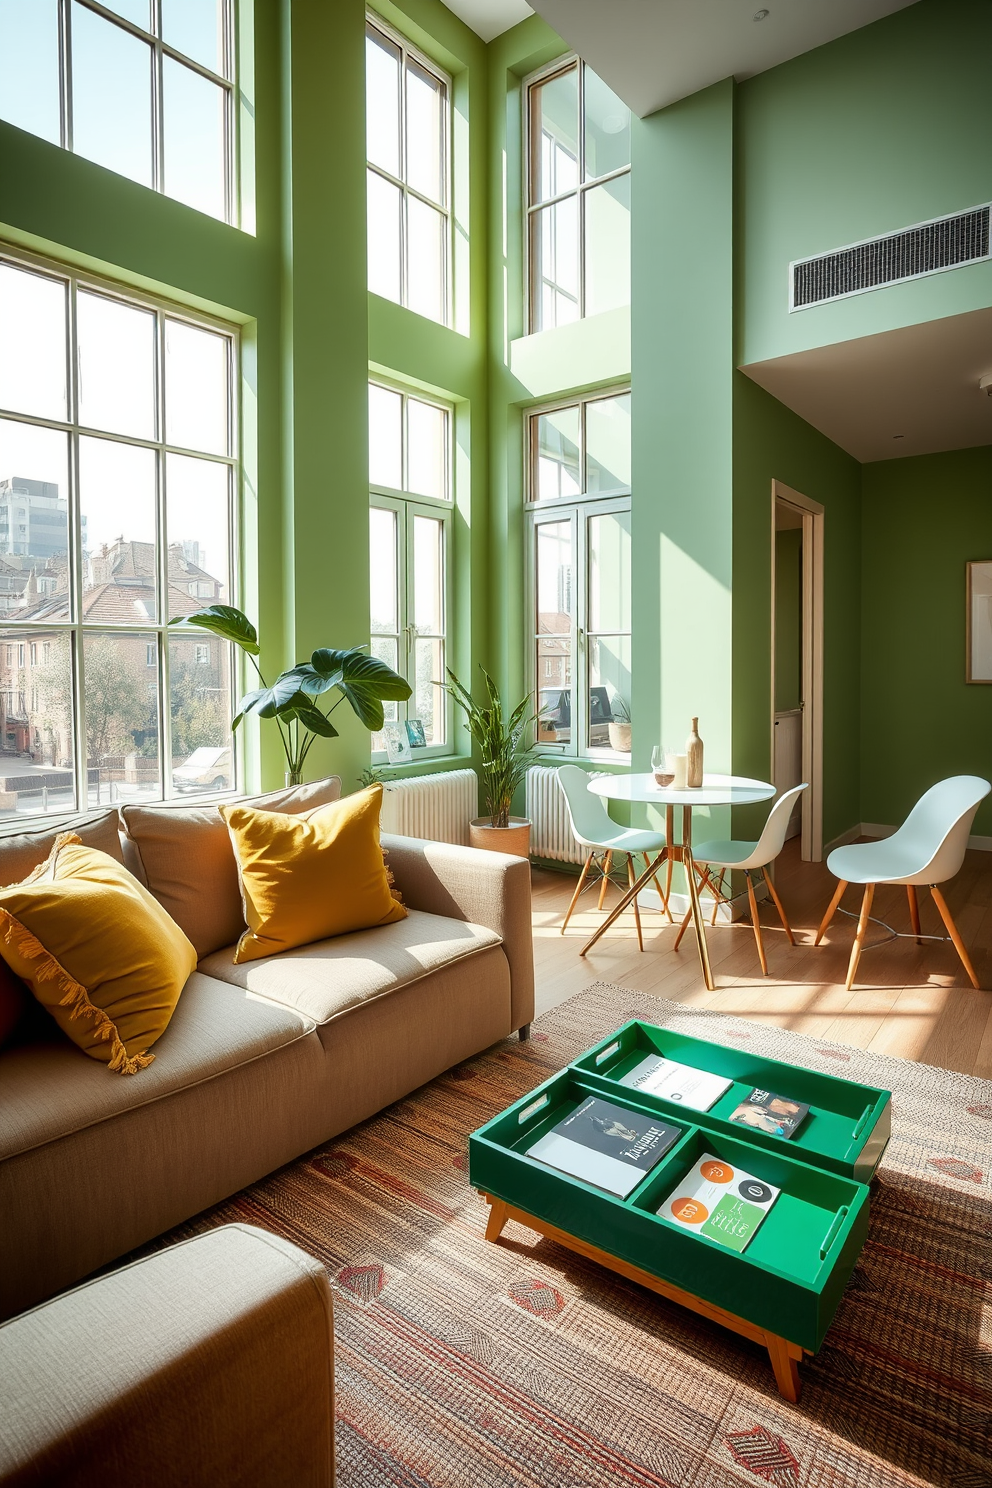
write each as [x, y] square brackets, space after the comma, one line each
[716, 790]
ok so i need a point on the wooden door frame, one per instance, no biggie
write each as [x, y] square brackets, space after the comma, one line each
[812, 514]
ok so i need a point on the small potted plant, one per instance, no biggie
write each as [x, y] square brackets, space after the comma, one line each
[619, 725]
[505, 759]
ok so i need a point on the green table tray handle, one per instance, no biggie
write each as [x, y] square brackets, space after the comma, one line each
[833, 1231]
[866, 1116]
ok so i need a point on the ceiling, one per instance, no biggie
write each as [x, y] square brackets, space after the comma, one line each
[489, 18]
[913, 391]
[652, 52]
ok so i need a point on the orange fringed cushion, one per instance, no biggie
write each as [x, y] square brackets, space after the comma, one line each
[97, 951]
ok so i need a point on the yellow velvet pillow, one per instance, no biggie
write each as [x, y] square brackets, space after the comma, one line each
[304, 878]
[98, 952]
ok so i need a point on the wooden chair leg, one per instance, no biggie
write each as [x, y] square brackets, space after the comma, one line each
[831, 910]
[578, 891]
[952, 930]
[914, 911]
[631, 880]
[778, 905]
[661, 893]
[756, 924]
[704, 880]
[718, 895]
[607, 865]
[859, 938]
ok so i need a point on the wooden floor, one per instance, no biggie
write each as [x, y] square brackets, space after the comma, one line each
[911, 1001]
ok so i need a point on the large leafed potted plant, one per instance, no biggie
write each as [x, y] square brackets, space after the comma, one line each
[505, 757]
[362, 680]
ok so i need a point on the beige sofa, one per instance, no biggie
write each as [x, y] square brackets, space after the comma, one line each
[260, 1062]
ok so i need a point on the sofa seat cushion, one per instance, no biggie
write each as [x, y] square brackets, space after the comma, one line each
[331, 977]
[49, 1092]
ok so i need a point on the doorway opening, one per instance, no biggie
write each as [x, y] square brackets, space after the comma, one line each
[797, 659]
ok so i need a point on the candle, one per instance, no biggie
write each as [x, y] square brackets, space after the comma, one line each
[681, 771]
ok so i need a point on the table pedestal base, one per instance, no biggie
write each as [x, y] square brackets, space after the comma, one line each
[784, 1356]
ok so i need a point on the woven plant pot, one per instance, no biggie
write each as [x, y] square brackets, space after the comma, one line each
[514, 839]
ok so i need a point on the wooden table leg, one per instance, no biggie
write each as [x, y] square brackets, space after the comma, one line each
[785, 1362]
[625, 901]
[499, 1213]
[697, 913]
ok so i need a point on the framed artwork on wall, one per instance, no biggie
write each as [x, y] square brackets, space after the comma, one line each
[979, 602]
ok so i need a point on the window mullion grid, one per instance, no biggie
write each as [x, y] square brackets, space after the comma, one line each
[80, 754]
[65, 74]
[162, 577]
[158, 105]
[580, 204]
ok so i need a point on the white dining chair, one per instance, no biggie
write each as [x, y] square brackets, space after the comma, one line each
[722, 858]
[927, 849]
[594, 829]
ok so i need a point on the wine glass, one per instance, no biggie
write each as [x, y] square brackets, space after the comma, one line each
[663, 764]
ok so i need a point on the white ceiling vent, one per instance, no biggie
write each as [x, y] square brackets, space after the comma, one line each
[927, 248]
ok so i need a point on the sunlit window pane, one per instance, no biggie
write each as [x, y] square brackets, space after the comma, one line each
[132, 10]
[425, 259]
[32, 344]
[609, 686]
[196, 28]
[385, 650]
[428, 575]
[116, 366]
[554, 689]
[609, 572]
[111, 96]
[557, 455]
[385, 437]
[608, 444]
[424, 132]
[29, 66]
[428, 697]
[382, 570]
[607, 128]
[607, 237]
[384, 209]
[120, 703]
[382, 102]
[555, 589]
[198, 505]
[555, 255]
[194, 145]
[427, 440]
[555, 136]
[34, 520]
[120, 554]
[196, 388]
[36, 722]
[200, 709]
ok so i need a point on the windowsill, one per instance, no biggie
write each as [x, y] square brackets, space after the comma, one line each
[611, 758]
[422, 766]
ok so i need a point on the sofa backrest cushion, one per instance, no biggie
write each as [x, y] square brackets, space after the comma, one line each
[23, 851]
[188, 863]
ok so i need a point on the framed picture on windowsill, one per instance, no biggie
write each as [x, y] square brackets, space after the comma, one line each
[978, 663]
[398, 749]
[415, 733]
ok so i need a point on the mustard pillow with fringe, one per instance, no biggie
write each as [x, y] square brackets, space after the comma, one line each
[98, 952]
[305, 878]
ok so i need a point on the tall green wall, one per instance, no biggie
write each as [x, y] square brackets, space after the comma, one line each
[923, 519]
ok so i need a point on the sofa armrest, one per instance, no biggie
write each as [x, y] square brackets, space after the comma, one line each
[465, 883]
[209, 1362]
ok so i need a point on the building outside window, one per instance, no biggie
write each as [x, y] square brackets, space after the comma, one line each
[408, 179]
[118, 424]
[579, 570]
[145, 89]
[578, 196]
[409, 552]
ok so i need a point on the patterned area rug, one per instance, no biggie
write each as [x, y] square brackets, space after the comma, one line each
[462, 1364]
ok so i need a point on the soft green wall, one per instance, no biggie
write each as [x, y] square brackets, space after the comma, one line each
[880, 129]
[788, 619]
[923, 520]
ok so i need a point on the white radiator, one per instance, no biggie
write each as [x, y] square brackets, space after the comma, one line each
[550, 833]
[436, 807]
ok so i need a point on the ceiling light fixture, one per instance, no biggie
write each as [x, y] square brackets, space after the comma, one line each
[759, 15]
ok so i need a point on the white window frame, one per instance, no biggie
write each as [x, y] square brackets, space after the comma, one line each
[151, 632]
[410, 53]
[531, 145]
[405, 506]
[577, 510]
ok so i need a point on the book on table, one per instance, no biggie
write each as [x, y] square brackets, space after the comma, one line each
[720, 1201]
[775, 1115]
[695, 1089]
[606, 1145]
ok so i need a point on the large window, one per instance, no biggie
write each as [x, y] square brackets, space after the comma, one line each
[579, 537]
[117, 491]
[143, 87]
[578, 196]
[409, 546]
[407, 134]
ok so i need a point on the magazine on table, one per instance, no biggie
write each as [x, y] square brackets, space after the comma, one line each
[720, 1201]
[695, 1089]
[606, 1145]
[776, 1115]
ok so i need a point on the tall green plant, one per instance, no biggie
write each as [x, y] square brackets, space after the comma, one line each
[505, 755]
[364, 681]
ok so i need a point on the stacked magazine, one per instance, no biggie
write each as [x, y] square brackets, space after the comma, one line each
[695, 1089]
[720, 1201]
[776, 1115]
[606, 1145]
